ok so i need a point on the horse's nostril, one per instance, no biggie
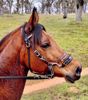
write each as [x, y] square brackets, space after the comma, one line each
[78, 70]
[78, 73]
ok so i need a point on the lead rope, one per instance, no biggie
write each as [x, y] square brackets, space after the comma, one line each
[36, 77]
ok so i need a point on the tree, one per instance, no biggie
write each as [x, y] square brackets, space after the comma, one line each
[57, 4]
[22, 6]
[28, 5]
[10, 4]
[1, 7]
[48, 4]
[71, 6]
[43, 6]
[65, 8]
[64, 4]
[18, 6]
[79, 7]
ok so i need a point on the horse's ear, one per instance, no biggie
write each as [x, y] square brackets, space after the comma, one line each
[34, 18]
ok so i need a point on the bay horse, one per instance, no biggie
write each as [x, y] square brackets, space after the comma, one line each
[31, 48]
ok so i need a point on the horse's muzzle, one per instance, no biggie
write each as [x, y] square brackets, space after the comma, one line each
[77, 75]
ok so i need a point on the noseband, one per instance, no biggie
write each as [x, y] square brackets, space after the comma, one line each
[65, 59]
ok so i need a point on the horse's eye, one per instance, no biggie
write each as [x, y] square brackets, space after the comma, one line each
[45, 45]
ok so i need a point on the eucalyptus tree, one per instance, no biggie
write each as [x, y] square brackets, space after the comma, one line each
[57, 4]
[1, 7]
[79, 7]
[9, 4]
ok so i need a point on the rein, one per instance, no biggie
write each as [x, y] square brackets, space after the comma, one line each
[65, 59]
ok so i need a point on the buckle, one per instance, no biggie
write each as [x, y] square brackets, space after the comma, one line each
[50, 73]
[27, 40]
[28, 44]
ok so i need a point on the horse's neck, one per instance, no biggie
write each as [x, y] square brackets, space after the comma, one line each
[9, 54]
[10, 65]
[7, 38]
[12, 89]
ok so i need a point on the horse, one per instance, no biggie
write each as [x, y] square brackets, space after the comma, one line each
[30, 47]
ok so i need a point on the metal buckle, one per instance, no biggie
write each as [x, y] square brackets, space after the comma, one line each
[51, 74]
[28, 44]
[27, 40]
[37, 53]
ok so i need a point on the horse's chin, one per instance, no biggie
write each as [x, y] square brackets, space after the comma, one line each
[70, 79]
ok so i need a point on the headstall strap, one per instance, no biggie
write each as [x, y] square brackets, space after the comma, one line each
[27, 42]
[65, 59]
[50, 73]
[40, 56]
[26, 37]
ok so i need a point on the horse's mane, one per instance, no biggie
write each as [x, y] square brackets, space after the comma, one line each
[7, 38]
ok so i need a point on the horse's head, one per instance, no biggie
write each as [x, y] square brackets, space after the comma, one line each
[46, 57]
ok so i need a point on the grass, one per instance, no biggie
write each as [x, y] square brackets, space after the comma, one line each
[77, 91]
[72, 37]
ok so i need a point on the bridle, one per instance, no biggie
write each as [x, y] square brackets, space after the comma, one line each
[65, 59]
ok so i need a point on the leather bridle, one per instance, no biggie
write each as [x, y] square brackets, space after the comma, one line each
[65, 59]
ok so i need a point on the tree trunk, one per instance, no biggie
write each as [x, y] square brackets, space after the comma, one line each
[22, 6]
[10, 4]
[1, 7]
[49, 10]
[79, 8]
[18, 6]
[84, 8]
[79, 13]
[65, 12]
[43, 7]
[64, 6]
[10, 9]
[1, 11]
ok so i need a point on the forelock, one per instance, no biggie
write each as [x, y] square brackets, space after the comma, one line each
[37, 33]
